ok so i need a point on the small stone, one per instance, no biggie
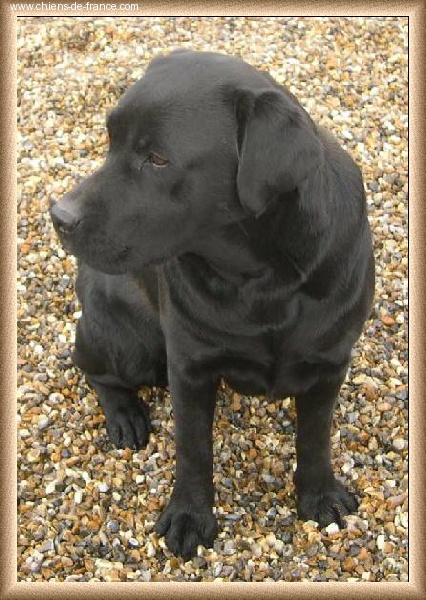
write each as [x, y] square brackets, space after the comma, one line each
[113, 526]
[47, 546]
[236, 402]
[397, 500]
[43, 422]
[229, 547]
[268, 478]
[380, 541]
[373, 444]
[35, 567]
[50, 487]
[363, 554]
[384, 406]
[133, 542]
[67, 562]
[174, 562]
[398, 443]
[369, 389]
[332, 528]
[348, 564]
[101, 563]
[388, 548]
[145, 575]
[403, 519]
[33, 454]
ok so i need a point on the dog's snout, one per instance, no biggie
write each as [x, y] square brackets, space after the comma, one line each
[64, 216]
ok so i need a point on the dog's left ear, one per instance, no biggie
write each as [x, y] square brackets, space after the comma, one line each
[278, 147]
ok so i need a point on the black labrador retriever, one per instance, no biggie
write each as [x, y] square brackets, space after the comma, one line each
[225, 236]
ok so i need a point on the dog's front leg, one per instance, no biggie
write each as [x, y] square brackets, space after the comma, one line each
[188, 519]
[320, 496]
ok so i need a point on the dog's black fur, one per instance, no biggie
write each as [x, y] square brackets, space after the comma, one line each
[225, 236]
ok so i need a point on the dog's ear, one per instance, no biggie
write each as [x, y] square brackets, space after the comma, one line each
[278, 147]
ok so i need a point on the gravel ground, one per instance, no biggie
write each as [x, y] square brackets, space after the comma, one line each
[86, 510]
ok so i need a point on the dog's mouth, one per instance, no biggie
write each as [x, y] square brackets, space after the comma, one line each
[64, 238]
[109, 262]
[101, 252]
[64, 231]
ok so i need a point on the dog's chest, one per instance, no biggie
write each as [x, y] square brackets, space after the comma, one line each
[264, 366]
[252, 346]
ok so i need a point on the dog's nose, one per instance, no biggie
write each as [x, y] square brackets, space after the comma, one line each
[64, 216]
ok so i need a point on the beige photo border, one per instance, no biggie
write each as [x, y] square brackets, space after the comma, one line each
[416, 587]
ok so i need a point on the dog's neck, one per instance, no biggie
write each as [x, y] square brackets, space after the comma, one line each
[230, 254]
[253, 250]
[246, 285]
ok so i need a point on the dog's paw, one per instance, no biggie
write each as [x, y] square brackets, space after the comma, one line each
[129, 426]
[184, 530]
[327, 505]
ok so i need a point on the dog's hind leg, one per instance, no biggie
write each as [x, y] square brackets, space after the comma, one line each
[127, 416]
[116, 383]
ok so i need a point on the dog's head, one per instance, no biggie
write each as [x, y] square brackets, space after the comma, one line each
[202, 140]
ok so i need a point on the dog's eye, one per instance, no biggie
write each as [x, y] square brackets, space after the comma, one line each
[157, 160]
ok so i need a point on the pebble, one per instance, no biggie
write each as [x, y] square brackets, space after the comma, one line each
[86, 510]
[43, 422]
[332, 528]
[398, 444]
[380, 541]
[113, 526]
[33, 455]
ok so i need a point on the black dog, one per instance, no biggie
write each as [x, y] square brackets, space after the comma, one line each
[224, 237]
